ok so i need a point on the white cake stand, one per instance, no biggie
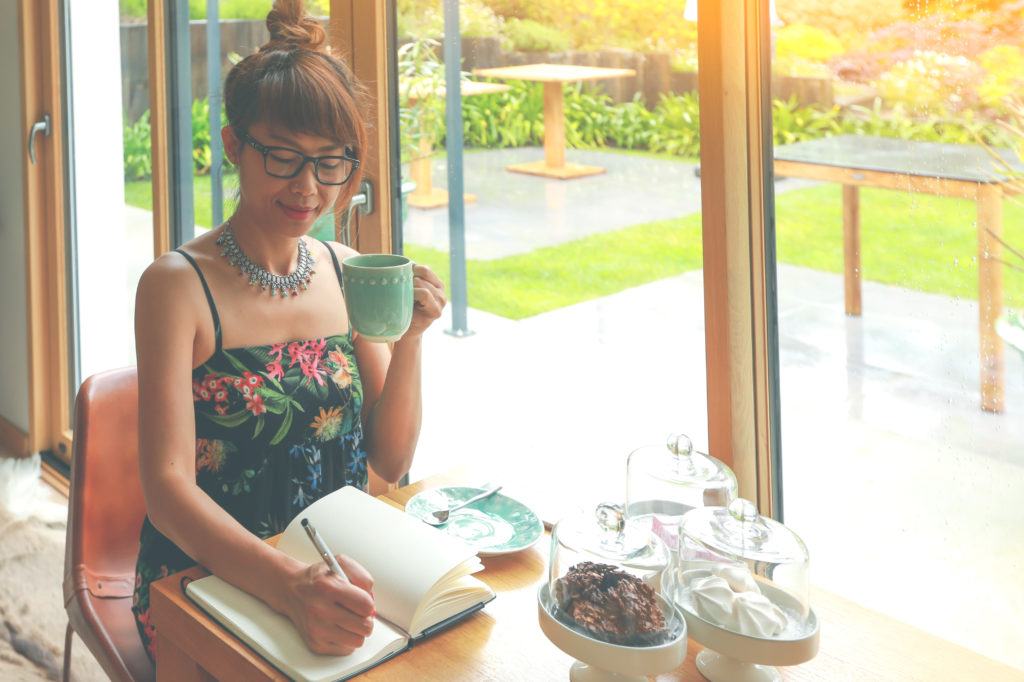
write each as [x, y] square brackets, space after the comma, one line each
[598, 661]
[734, 657]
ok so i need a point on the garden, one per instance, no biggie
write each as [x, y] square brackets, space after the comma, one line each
[940, 71]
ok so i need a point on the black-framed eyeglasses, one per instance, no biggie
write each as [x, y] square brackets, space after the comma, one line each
[282, 162]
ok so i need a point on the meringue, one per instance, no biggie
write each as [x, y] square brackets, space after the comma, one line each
[730, 597]
[738, 577]
[713, 599]
[757, 616]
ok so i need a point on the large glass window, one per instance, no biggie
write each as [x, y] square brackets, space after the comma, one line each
[900, 411]
[583, 335]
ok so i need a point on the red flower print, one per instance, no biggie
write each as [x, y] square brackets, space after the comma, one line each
[220, 396]
[210, 382]
[204, 394]
[254, 380]
[246, 390]
[274, 370]
[237, 383]
[220, 409]
[150, 632]
[254, 403]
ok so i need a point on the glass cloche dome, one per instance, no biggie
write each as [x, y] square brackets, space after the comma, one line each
[741, 581]
[598, 604]
[663, 482]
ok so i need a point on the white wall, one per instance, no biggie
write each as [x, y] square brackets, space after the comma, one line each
[13, 311]
[105, 327]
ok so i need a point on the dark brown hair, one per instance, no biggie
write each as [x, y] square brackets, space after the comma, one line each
[294, 81]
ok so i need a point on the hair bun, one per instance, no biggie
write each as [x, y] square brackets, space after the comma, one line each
[290, 25]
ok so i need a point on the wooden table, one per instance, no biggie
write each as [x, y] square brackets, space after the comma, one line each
[426, 195]
[504, 641]
[948, 170]
[553, 76]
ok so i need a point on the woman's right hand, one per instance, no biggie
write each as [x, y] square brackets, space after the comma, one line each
[334, 617]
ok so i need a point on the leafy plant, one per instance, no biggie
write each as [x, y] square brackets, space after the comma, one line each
[421, 78]
[678, 129]
[138, 162]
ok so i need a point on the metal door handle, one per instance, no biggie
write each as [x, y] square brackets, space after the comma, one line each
[37, 127]
[363, 202]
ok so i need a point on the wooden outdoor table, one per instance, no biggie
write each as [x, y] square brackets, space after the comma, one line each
[948, 170]
[504, 641]
[553, 76]
[426, 195]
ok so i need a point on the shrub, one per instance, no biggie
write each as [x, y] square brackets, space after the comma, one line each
[425, 19]
[801, 41]
[931, 83]
[1004, 65]
[138, 162]
[841, 18]
[532, 36]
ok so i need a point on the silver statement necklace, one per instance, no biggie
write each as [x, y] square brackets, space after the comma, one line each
[287, 285]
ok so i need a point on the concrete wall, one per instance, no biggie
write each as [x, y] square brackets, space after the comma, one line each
[13, 311]
[242, 37]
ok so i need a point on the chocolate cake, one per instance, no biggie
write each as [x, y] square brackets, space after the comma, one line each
[610, 605]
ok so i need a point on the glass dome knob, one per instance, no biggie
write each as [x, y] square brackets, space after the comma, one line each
[743, 510]
[680, 444]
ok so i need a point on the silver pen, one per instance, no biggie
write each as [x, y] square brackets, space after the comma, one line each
[325, 553]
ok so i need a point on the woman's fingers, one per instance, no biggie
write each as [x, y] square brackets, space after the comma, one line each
[428, 291]
[357, 575]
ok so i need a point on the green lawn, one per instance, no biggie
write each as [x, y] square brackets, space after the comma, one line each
[140, 193]
[915, 241]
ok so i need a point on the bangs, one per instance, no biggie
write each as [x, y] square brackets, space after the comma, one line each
[303, 91]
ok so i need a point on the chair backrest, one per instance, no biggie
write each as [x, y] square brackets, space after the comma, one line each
[105, 513]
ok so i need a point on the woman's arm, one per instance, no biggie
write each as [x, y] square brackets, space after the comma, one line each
[392, 386]
[333, 616]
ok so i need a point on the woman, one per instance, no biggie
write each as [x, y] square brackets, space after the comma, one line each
[255, 401]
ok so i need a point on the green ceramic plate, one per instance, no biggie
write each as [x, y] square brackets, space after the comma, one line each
[494, 525]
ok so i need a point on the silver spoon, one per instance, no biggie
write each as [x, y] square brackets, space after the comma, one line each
[440, 517]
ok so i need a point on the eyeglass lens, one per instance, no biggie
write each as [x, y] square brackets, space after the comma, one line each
[330, 170]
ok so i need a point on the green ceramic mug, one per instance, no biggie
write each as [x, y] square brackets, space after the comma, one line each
[378, 295]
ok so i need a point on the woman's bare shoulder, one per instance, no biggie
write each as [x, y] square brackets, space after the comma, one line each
[341, 251]
[170, 290]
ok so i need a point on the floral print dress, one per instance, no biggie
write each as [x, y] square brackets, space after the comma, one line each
[277, 427]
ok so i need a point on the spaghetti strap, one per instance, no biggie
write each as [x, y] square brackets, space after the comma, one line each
[341, 281]
[209, 297]
[337, 265]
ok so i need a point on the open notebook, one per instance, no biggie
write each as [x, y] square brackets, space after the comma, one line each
[422, 583]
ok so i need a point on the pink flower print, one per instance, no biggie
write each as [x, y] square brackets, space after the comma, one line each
[276, 350]
[254, 403]
[138, 580]
[275, 371]
[312, 371]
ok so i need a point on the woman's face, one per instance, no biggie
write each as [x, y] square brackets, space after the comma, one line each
[285, 205]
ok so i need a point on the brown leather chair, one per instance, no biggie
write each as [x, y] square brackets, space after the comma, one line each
[105, 513]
